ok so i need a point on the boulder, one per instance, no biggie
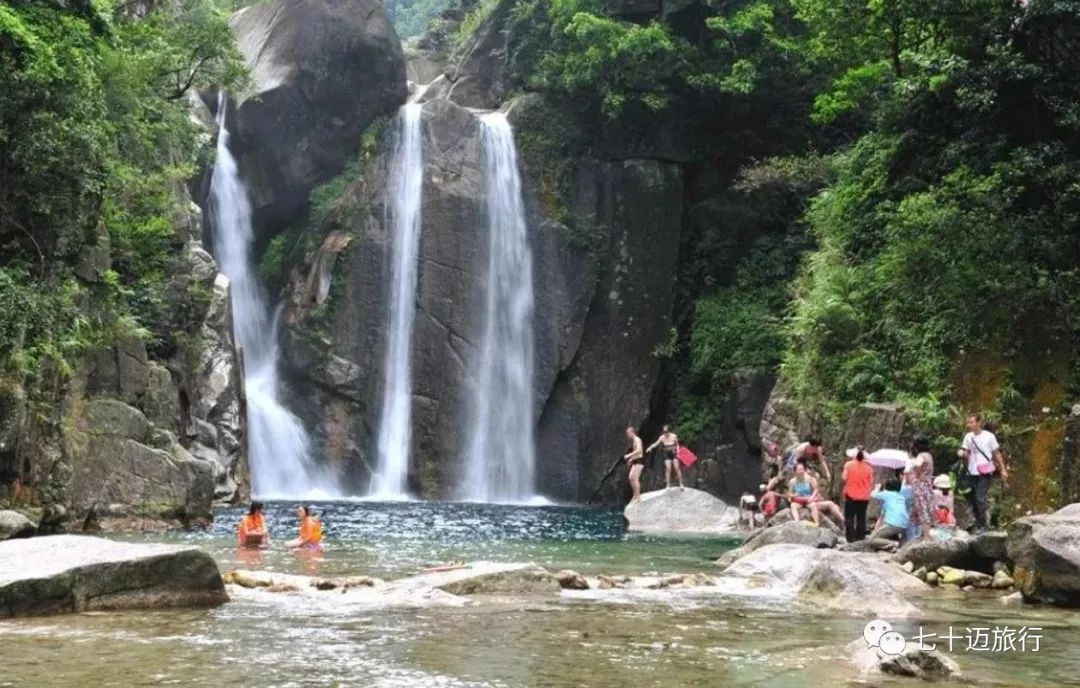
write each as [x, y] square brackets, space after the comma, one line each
[14, 525]
[680, 511]
[990, 546]
[791, 533]
[1014, 598]
[913, 662]
[285, 582]
[571, 580]
[76, 573]
[322, 71]
[933, 554]
[112, 462]
[484, 578]
[1045, 551]
[825, 579]
[1001, 581]
[948, 575]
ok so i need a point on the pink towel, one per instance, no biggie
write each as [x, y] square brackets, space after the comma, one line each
[686, 457]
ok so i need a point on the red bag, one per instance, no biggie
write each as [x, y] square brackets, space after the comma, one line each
[686, 457]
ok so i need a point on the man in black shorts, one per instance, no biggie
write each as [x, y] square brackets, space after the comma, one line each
[636, 460]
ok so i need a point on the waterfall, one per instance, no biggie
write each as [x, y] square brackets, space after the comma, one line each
[278, 447]
[395, 430]
[502, 451]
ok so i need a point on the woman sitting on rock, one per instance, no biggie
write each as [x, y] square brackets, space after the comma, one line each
[252, 532]
[803, 491]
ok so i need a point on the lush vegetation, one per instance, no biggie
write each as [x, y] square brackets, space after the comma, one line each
[97, 141]
[888, 192]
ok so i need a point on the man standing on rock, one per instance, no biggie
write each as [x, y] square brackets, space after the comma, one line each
[983, 454]
[636, 460]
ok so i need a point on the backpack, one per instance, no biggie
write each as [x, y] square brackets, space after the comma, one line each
[961, 481]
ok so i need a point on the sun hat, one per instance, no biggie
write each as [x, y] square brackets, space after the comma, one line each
[853, 452]
[943, 482]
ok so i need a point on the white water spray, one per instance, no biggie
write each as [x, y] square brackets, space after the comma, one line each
[395, 423]
[502, 450]
[278, 447]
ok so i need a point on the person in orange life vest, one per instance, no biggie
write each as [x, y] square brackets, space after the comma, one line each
[310, 529]
[252, 531]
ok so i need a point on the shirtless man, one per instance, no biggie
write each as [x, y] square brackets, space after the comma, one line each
[670, 441]
[804, 453]
[636, 460]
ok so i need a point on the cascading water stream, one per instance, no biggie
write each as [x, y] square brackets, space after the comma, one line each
[395, 423]
[278, 447]
[502, 450]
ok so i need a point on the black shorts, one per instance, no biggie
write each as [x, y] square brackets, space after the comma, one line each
[671, 454]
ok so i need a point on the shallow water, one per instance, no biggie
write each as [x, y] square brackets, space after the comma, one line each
[661, 638]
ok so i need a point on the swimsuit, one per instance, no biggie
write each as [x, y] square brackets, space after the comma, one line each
[803, 492]
[671, 452]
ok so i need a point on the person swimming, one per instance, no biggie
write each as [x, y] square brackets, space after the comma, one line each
[252, 531]
[310, 529]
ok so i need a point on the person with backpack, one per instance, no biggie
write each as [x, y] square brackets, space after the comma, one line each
[983, 454]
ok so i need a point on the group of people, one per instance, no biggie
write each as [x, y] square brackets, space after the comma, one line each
[669, 444]
[252, 532]
[914, 502]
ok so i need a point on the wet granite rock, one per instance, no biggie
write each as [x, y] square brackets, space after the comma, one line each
[75, 573]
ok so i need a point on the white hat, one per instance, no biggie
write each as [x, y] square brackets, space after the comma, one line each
[943, 482]
[852, 453]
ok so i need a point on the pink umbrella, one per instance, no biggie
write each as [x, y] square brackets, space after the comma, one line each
[686, 457]
[888, 458]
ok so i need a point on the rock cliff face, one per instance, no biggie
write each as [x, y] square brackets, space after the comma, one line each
[162, 437]
[600, 311]
[155, 430]
[322, 71]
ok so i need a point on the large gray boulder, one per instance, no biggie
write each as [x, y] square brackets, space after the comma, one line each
[323, 70]
[14, 525]
[73, 573]
[113, 462]
[932, 553]
[1045, 551]
[826, 579]
[680, 511]
[799, 533]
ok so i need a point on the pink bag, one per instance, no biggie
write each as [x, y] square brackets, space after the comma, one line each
[986, 467]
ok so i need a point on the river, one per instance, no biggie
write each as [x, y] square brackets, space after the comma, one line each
[649, 638]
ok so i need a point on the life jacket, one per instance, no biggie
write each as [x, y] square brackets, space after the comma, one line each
[249, 523]
[311, 530]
